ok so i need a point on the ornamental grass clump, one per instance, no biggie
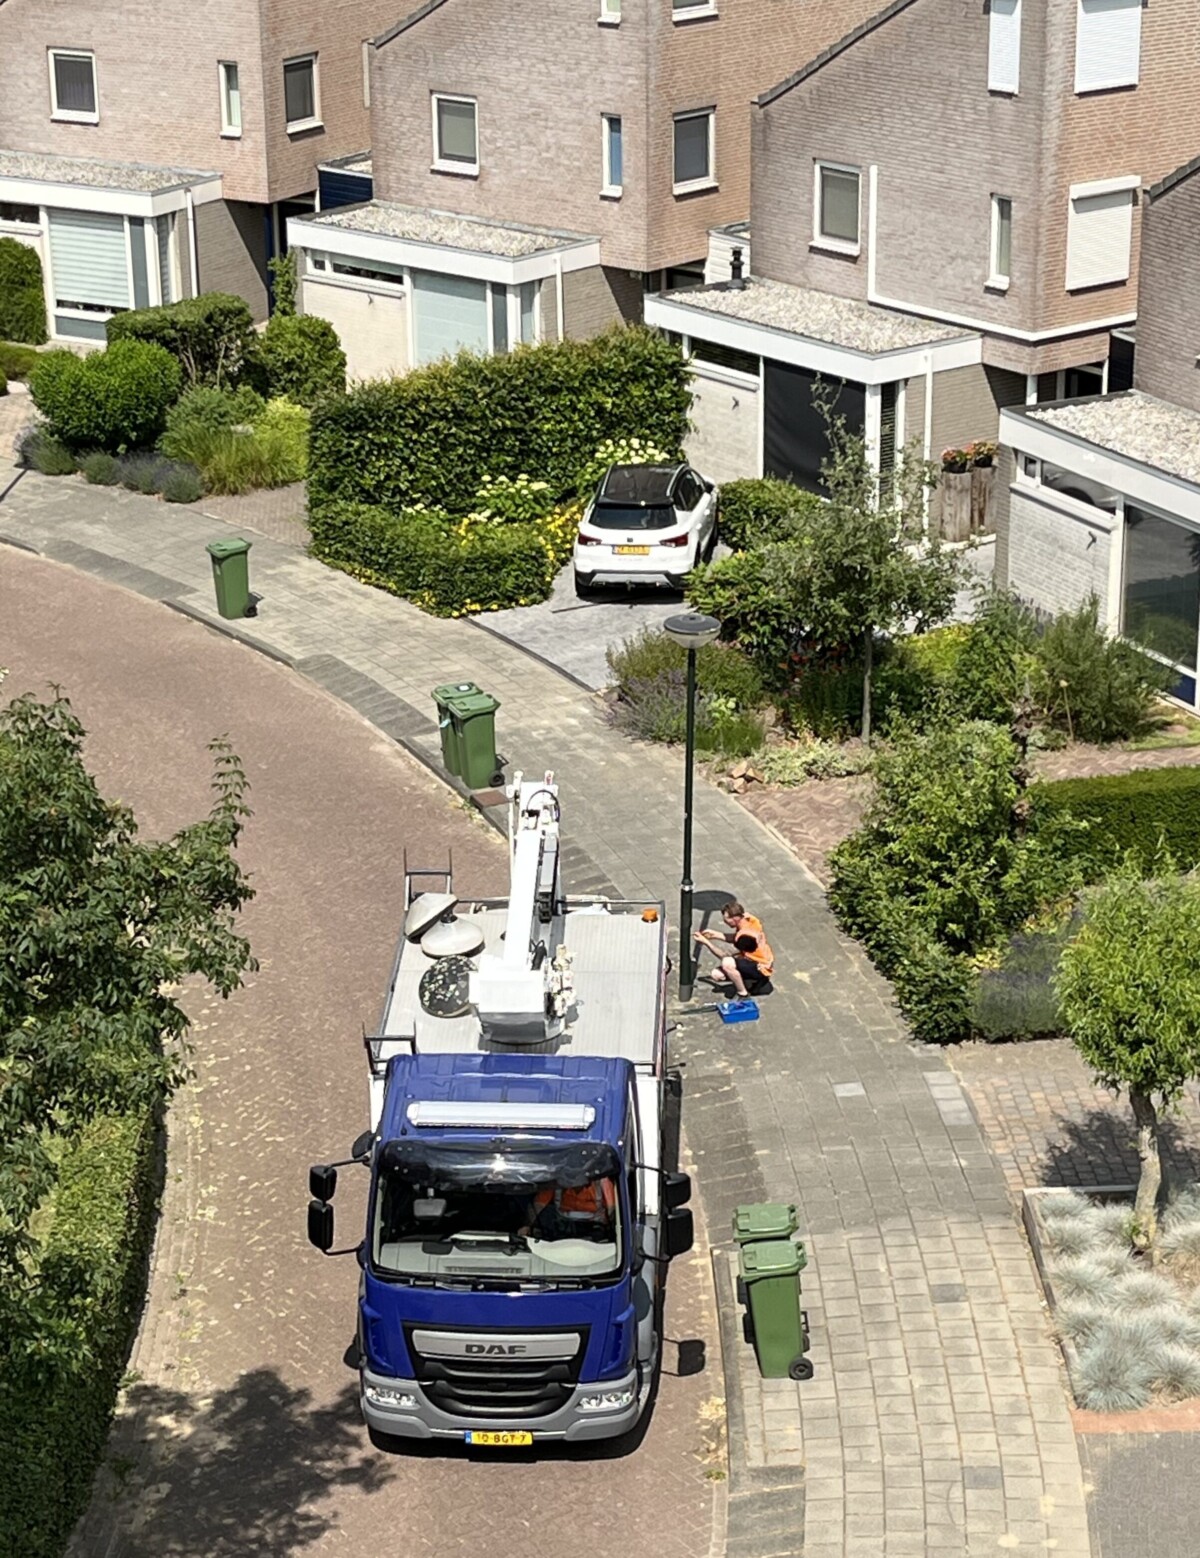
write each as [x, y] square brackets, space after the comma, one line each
[1109, 1378]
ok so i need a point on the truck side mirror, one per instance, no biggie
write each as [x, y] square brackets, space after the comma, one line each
[677, 1190]
[320, 1225]
[322, 1181]
[361, 1150]
[680, 1233]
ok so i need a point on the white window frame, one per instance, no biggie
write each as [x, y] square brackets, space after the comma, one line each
[1082, 87]
[229, 130]
[1127, 186]
[999, 280]
[692, 10]
[73, 115]
[610, 13]
[1007, 83]
[819, 239]
[607, 188]
[366, 64]
[314, 121]
[452, 165]
[709, 181]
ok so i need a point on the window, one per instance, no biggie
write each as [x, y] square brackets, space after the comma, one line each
[499, 318]
[366, 72]
[455, 134]
[528, 298]
[9, 212]
[837, 200]
[1099, 233]
[613, 159]
[1000, 262]
[301, 97]
[90, 267]
[1162, 586]
[73, 86]
[380, 272]
[1004, 45]
[610, 12]
[1108, 43]
[709, 354]
[165, 235]
[694, 159]
[231, 99]
[685, 10]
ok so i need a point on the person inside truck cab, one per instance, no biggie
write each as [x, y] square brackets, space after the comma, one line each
[573, 1211]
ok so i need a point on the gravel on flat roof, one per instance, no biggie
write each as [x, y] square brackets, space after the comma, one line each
[819, 316]
[446, 229]
[96, 175]
[1153, 432]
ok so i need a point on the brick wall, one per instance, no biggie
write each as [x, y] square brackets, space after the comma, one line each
[540, 146]
[231, 248]
[1054, 560]
[597, 298]
[1168, 329]
[725, 442]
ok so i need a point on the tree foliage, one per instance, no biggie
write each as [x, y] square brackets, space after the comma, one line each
[100, 928]
[1129, 990]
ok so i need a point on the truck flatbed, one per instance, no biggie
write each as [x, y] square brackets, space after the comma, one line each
[618, 962]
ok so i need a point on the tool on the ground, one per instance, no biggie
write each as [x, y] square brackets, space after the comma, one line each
[731, 1011]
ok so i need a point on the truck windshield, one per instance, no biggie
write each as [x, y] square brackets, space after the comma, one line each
[509, 1213]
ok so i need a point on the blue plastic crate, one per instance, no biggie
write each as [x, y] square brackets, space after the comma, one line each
[738, 1011]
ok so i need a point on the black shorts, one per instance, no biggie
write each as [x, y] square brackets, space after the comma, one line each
[752, 974]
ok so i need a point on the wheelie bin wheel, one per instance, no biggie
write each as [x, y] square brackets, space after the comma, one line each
[800, 1368]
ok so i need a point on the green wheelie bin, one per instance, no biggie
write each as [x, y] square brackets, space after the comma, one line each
[231, 575]
[764, 1220]
[769, 1272]
[469, 742]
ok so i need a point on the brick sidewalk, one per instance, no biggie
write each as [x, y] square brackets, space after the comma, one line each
[937, 1421]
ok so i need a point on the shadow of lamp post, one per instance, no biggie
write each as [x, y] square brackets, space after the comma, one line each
[691, 630]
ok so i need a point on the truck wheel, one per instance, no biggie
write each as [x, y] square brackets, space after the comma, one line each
[800, 1368]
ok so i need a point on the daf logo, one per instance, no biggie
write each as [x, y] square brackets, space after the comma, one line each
[505, 1349]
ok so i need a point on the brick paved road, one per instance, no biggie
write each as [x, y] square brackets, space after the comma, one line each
[242, 1436]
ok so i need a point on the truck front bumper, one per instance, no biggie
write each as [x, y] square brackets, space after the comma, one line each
[414, 1417]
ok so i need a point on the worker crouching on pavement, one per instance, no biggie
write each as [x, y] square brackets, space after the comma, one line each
[747, 968]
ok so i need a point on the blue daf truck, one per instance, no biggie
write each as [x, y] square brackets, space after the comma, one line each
[524, 1199]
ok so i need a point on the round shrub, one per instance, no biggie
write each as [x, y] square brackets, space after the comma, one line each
[302, 358]
[100, 469]
[761, 509]
[113, 400]
[183, 485]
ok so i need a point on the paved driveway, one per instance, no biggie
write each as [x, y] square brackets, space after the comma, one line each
[241, 1437]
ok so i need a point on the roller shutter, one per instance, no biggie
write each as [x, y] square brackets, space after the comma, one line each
[89, 260]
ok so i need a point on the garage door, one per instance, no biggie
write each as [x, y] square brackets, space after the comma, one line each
[449, 313]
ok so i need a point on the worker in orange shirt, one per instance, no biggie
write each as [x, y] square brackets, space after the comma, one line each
[574, 1211]
[747, 968]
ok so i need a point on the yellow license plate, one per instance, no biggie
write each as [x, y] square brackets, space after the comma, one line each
[632, 551]
[489, 1437]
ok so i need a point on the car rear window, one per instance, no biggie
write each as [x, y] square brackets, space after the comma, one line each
[617, 516]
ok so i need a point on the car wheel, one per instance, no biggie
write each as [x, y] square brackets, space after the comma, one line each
[584, 583]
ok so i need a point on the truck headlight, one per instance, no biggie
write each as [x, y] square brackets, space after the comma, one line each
[608, 1400]
[385, 1396]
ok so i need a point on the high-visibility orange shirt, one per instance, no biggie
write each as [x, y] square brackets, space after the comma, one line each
[597, 1199]
[751, 925]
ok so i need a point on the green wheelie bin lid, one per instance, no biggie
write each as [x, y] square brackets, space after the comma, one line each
[466, 706]
[764, 1220]
[234, 547]
[448, 691]
[774, 1258]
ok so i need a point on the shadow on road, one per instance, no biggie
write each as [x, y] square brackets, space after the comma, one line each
[1101, 1149]
[255, 1469]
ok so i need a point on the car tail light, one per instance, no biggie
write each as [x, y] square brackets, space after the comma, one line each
[587, 540]
[675, 540]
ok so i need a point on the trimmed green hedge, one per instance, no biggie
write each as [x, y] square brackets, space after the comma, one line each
[762, 508]
[113, 400]
[211, 336]
[54, 1416]
[1130, 812]
[434, 435]
[22, 298]
[302, 358]
[450, 567]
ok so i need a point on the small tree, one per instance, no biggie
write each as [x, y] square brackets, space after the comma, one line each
[861, 563]
[99, 929]
[1129, 991]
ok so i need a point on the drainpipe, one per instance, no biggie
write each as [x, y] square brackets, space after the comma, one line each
[192, 247]
[928, 429]
[558, 295]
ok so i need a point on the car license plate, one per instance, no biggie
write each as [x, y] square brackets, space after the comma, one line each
[632, 551]
[491, 1437]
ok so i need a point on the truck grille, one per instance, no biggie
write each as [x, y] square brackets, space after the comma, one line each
[505, 1387]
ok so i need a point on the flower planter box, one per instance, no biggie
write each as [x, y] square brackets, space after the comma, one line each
[955, 494]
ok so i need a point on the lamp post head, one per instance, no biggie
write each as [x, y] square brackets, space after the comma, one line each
[692, 629]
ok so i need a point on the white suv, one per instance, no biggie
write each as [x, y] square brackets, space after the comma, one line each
[647, 524]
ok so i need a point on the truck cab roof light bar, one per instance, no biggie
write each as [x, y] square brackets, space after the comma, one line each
[547, 1117]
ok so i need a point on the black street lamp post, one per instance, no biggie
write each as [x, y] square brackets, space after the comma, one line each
[692, 630]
